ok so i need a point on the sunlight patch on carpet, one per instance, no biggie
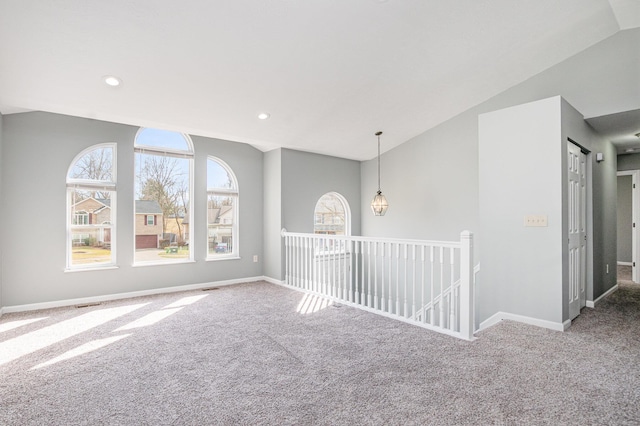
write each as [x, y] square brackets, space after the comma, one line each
[28, 343]
[311, 304]
[81, 350]
[15, 324]
[185, 301]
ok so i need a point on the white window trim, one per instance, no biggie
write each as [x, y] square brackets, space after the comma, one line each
[73, 184]
[235, 228]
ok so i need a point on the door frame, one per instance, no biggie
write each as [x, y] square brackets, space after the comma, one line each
[635, 213]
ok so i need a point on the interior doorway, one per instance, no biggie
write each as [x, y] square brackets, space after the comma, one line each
[628, 211]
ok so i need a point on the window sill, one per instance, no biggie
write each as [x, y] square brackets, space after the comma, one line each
[97, 268]
[216, 259]
[153, 263]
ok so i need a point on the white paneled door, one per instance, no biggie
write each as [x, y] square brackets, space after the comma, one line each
[577, 163]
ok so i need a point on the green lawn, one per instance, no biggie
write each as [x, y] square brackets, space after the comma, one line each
[86, 254]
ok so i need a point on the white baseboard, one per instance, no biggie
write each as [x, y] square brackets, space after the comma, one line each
[500, 316]
[273, 281]
[117, 296]
[625, 263]
[594, 303]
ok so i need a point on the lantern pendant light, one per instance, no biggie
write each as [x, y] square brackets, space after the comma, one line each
[379, 204]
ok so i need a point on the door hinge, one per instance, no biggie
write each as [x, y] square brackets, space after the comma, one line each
[634, 225]
[634, 264]
[634, 186]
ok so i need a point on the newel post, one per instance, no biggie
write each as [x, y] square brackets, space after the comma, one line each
[466, 285]
[285, 254]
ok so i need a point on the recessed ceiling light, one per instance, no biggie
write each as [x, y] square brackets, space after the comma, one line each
[112, 81]
[629, 150]
[263, 116]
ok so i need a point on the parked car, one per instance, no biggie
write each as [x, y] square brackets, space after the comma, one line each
[222, 248]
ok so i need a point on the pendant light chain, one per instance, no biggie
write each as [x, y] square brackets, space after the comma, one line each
[378, 134]
[378, 163]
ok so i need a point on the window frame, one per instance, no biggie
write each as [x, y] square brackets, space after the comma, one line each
[76, 184]
[189, 155]
[233, 192]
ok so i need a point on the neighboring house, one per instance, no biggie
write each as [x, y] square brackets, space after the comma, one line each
[220, 224]
[87, 212]
[181, 233]
[148, 224]
[97, 211]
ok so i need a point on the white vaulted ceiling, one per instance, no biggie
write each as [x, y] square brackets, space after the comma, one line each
[330, 72]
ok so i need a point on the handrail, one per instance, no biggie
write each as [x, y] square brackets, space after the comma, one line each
[447, 244]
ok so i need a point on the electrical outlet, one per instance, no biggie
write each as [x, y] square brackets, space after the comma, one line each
[535, 220]
[255, 257]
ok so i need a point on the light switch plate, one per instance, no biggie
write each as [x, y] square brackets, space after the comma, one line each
[535, 220]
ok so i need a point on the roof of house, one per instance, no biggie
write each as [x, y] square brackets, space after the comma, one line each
[213, 215]
[148, 207]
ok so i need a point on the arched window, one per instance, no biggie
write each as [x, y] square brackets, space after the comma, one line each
[163, 191]
[332, 215]
[91, 204]
[222, 210]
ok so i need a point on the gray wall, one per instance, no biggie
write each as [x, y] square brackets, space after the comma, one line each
[521, 266]
[272, 182]
[628, 162]
[296, 182]
[2, 204]
[625, 219]
[306, 177]
[431, 182]
[38, 149]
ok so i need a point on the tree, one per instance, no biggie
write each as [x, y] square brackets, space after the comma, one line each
[96, 165]
[164, 180]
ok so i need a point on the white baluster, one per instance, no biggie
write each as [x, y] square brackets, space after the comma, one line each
[287, 260]
[375, 281]
[432, 314]
[357, 281]
[406, 257]
[369, 261]
[441, 305]
[413, 282]
[423, 306]
[397, 279]
[452, 313]
[390, 284]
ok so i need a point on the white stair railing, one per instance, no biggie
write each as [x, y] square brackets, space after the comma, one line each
[427, 283]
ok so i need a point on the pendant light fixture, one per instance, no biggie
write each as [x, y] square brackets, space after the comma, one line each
[379, 204]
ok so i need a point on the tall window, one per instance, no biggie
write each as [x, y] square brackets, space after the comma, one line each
[222, 210]
[163, 168]
[91, 204]
[332, 215]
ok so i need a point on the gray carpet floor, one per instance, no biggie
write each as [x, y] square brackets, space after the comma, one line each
[257, 353]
